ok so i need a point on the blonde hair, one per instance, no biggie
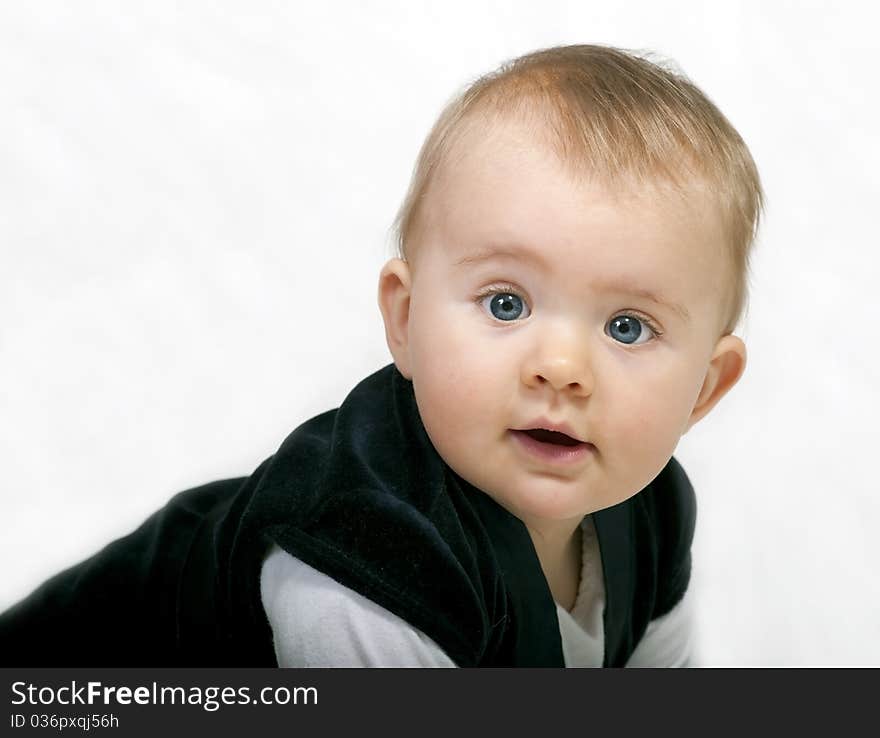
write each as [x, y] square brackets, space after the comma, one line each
[618, 118]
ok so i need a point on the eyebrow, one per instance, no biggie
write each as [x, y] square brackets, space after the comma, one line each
[618, 286]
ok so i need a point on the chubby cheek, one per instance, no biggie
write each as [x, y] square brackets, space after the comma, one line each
[648, 428]
[456, 386]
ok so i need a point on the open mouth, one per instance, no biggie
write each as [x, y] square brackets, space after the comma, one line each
[553, 447]
[554, 437]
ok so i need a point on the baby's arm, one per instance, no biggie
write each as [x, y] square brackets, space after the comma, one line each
[669, 639]
[317, 622]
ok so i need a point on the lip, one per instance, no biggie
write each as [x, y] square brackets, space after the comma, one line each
[549, 425]
[552, 453]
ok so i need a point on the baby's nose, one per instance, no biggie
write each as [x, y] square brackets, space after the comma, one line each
[562, 374]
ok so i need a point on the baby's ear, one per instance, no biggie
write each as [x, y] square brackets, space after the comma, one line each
[395, 286]
[726, 366]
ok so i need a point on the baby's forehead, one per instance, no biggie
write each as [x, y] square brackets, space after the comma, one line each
[482, 143]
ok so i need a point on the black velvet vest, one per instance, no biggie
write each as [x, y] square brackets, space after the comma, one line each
[361, 494]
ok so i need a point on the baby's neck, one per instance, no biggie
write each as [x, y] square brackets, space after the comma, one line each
[560, 558]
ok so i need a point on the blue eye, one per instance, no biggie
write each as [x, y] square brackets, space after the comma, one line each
[627, 329]
[505, 306]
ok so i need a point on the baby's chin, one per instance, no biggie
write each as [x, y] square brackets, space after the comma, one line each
[545, 500]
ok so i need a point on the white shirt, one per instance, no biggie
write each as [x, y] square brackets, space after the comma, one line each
[318, 622]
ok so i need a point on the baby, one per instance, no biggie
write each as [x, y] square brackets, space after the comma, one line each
[573, 260]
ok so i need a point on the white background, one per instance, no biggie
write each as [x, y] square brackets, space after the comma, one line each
[195, 202]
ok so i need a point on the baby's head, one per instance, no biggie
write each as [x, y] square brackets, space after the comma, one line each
[574, 252]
